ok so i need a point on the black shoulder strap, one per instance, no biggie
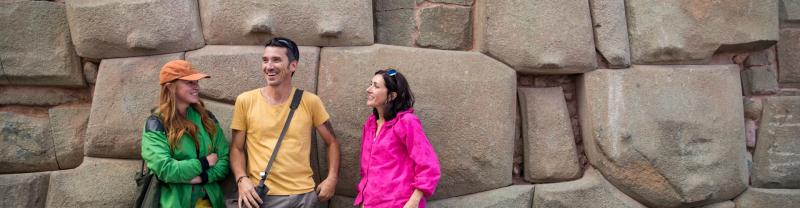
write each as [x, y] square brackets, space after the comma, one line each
[298, 95]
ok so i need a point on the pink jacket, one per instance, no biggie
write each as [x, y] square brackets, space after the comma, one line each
[400, 160]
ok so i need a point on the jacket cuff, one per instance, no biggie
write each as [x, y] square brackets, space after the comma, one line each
[203, 163]
[204, 177]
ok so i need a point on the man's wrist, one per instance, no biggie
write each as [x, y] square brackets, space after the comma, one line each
[240, 179]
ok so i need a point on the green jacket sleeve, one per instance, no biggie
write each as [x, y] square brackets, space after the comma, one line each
[156, 154]
[221, 168]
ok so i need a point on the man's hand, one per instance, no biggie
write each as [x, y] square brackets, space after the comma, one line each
[326, 189]
[248, 195]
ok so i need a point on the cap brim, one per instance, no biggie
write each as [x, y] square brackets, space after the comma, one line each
[195, 77]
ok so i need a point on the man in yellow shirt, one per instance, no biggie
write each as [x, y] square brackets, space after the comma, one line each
[258, 118]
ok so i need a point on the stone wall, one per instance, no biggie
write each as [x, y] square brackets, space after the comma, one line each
[571, 103]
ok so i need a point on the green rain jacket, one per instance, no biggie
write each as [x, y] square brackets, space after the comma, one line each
[175, 168]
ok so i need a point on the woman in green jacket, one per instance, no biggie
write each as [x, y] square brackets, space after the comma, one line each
[183, 143]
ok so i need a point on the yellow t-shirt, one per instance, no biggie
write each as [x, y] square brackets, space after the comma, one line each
[291, 172]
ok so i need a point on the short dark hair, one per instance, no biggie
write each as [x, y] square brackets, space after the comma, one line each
[395, 82]
[291, 48]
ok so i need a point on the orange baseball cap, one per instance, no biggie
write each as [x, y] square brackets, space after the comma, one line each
[179, 69]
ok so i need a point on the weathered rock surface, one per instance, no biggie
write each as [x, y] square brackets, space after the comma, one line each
[307, 22]
[668, 136]
[513, 196]
[41, 96]
[23, 190]
[590, 191]
[35, 46]
[97, 182]
[394, 22]
[759, 80]
[768, 198]
[777, 155]
[611, 32]
[122, 28]
[789, 56]
[67, 128]
[26, 143]
[445, 27]
[224, 114]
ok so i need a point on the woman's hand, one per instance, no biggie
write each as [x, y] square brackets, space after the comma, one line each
[196, 180]
[212, 159]
[413, 201]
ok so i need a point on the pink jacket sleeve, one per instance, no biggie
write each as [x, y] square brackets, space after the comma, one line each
[426, 172]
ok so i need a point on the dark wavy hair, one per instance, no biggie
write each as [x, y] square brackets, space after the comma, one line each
[395, 82]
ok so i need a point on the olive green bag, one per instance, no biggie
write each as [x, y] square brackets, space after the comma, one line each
[148, 193]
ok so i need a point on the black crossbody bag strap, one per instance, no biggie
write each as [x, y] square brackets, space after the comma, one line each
[298, 94]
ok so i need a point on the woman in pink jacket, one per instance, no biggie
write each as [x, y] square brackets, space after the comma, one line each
[399, 167]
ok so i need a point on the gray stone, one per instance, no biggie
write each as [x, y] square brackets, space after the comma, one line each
[90, 72]
[445, 27]
[550, 153]
[224, 114]
[590, 191]
[394, 22]
[307, 22]
[690, 32]
[668, 136]
[513, 196]
[242, 65]
[41, 96]
[122, 103]
[341, 202]
[611, 32]
[759, 80]
[777, 154]
[760, 58]
[67, 128]
[27, 145]
[474, 145]
[789, 56]
[97, 182]
[752, 108]
[768, 198]
[456, 2]
[547, 37]
[23, 190]
[385, 5]
[725, 204]
[35, 48]
[789, 11]
[121, 28]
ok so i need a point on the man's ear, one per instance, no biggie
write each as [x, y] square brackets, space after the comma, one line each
[293, 65]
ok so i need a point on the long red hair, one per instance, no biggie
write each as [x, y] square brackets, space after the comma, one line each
[177, 125]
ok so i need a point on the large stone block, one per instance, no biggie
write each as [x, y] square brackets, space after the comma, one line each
[311, 23]
[668, 136]
[690, 32]
[394, 22]
[473, 136]
[97, 182]
[550, 152]
[768, 198]
[23, 190]
[547, 37]
[789, 56]
[513, 196]
[127, 89]
[122, 28]
[777, 155]
[242, 65]
[224, 114]
[67, 128]
[611, 31]
[759, 80]
[456, 2]
[35, 46]
[27, 145]
[41, 96]
[590, 191]
[445, 27]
